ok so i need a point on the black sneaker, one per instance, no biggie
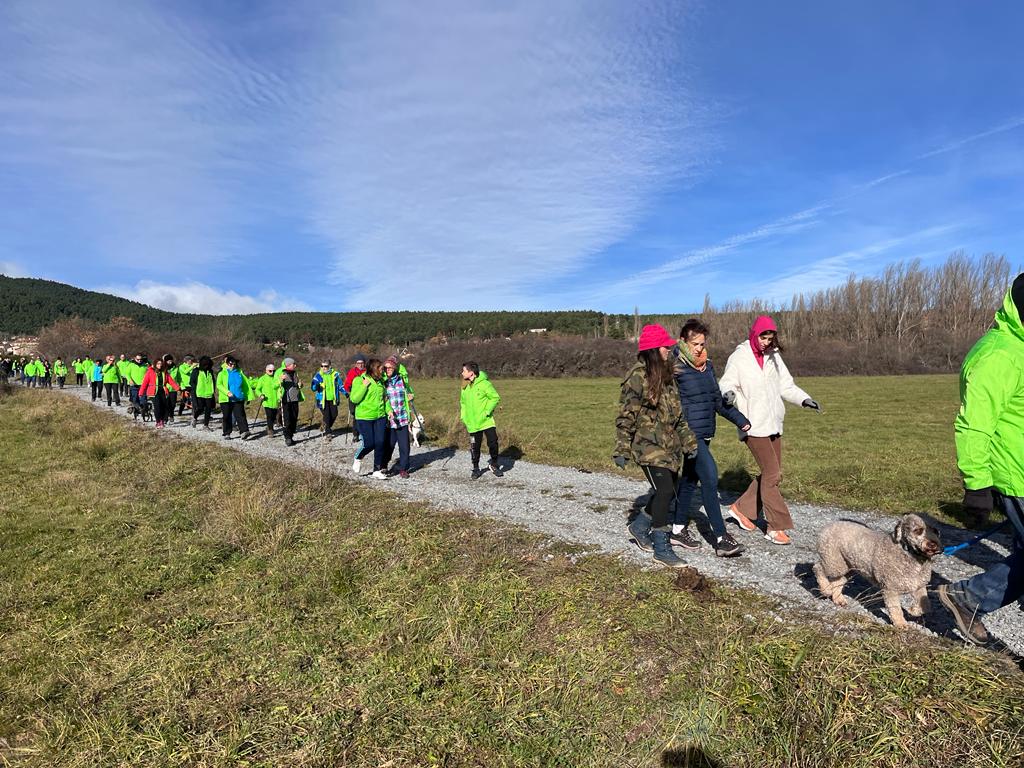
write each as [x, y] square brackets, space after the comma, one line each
[476, 473]
[495, 469]
[685, 539]
[968, 621]
[726, 546]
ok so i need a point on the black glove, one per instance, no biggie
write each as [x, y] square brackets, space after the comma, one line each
[729, 399]
[979, 502]
[808, 403]
[620, 461]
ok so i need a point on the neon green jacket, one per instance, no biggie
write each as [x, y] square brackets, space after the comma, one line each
[368, 395]
[76, 366]
[269, 388]
[478, 399]
[182, 372]
[204, 384]
[110, 374]
[59, 369]
[123, 368]
[136, 372]
[990, 425]
[222, 386]
[405, 379]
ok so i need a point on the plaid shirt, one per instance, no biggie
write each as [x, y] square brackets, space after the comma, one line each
[395, 388]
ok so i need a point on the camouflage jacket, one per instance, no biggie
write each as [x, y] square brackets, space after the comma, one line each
[656, 436]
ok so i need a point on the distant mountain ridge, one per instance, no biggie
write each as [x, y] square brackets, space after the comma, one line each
[28, 305]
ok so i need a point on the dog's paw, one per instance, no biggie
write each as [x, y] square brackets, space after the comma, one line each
[839, 599]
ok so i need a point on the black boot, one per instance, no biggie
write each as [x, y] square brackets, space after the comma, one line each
[475, 474]
[495, 469]
[640, 529]
[663, 551]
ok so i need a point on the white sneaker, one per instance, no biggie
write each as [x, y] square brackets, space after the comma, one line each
[355, 466]
[379, 474]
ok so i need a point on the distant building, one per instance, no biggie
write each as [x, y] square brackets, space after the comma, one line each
[538, 330]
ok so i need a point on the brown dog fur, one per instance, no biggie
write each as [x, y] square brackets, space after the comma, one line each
[899, 563]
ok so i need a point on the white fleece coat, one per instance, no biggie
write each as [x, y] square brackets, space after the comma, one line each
[760, 392]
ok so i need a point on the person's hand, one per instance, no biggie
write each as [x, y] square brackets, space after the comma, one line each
[690, 456]
[729, 398]
[745, 427]
[808, 403]
[980, 502]
[620, 461]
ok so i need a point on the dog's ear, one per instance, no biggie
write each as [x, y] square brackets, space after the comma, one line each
[897, 532]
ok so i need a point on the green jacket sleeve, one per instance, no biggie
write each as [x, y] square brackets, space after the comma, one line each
[985, 390]
[358, 390]
[489, 396]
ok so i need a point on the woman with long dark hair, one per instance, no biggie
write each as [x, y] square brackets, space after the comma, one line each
[650, 430]
[371, 417]
[158, 383]
[202, 382]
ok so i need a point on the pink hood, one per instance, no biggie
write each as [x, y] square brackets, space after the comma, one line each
[762, 324]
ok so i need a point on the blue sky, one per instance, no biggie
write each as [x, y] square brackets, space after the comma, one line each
[249, 156]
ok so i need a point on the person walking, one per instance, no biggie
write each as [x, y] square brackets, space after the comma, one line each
[267, 389]
[95, 378]
[136, 371]
[989, 433]
[157, 383]
[357, 369]
[111, 381]
[650, 429]
[76, 366]
[327, 388]
[233, 392]
[757, 381]
[183, 375]
[477, 402]
[172, 393]
[201, 384]
[396, 403]
[702, 401]
[60, 372]
[291, 396]
[124, 367]
[370, 417]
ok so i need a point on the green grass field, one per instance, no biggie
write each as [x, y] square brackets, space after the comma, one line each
[883, 443]
[170, 604]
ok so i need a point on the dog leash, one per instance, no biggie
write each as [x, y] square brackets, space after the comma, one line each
[954, 548]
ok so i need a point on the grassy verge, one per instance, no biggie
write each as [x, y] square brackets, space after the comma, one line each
[174, 604]
[884, 443]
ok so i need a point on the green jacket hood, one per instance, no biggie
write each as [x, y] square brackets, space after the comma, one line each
[1008, 316]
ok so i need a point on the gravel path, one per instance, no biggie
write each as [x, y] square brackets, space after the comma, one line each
[591, 509]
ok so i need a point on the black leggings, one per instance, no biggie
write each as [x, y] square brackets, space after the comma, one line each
[492, 445]
[663, 481]
[112, 394]
[202, 406]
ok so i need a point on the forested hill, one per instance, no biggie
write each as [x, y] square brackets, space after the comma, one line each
[28, 305]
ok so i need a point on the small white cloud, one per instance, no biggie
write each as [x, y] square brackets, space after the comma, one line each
[12, 269]
[198, 298]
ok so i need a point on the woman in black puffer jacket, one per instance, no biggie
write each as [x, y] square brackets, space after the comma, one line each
[702, 402]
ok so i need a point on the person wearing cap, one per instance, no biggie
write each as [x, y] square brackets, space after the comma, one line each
[396, 405]
[652, 431]
[233, 392]
[401, 371]
[267, 389]
[327, 388]
[357, 369]
[291, 396]
[757, 381]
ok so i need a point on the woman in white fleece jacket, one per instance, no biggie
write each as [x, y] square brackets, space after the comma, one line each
[760, 383]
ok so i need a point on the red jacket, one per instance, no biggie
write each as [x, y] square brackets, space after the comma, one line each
[351, 376]
[148, 385]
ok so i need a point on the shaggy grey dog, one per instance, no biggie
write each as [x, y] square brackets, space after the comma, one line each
[899, 563]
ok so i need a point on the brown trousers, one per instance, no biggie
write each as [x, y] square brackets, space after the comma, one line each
[763, 491]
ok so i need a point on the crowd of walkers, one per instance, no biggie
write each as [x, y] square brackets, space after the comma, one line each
[379, 393]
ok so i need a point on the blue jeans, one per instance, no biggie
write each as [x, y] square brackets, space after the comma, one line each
[1002, 583]
[374, 434]
[702, 469]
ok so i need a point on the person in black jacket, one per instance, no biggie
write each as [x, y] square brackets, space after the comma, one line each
[702, 401]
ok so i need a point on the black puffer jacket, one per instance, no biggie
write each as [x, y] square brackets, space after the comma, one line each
[702, 399]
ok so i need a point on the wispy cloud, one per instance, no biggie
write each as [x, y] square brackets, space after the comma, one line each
[197, 298]
[12, 269]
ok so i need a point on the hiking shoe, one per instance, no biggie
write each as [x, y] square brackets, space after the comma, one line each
[159, 425]
[355, 466]
[289, 442]
[740, 520]
[726, 546]
[495, 469]
[246, 436]
[379, 475]
[227, 437]
[663, 551]
[476, 473]
[195, 423]
[685, 539]
[403, 474]
[640, 529]
[778, 537]
[967, 620]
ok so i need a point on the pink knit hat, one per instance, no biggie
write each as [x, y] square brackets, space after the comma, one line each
[652, 337]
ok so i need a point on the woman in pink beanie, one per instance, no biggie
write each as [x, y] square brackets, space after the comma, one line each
[650, 430]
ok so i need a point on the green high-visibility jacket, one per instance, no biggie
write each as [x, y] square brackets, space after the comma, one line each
[59, 369]
[136, 373]
[123, 369]
[405, 379]
[110, 374]
[76, 366]
[269, 388]
[368, 395]
[182, 373]
[222, 386]
[989, 427]
[478, 400]
[201, 383]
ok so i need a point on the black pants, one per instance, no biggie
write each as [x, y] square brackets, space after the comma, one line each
[60, 382]
[163, 406]
[172, 400]
[97, 389]
[79, 379]
[663, 481]
[126, 388]
[492, 445]
[397, 436]
[271, 416]
[112, 393]
[290, 412]
[186, 399]
[202, 406]
[330, 413]
[234, 413]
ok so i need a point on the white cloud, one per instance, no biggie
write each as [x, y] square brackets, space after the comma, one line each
[13, 269]
[197, 298]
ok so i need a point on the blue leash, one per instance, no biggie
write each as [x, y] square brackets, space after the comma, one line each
[954, 548]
